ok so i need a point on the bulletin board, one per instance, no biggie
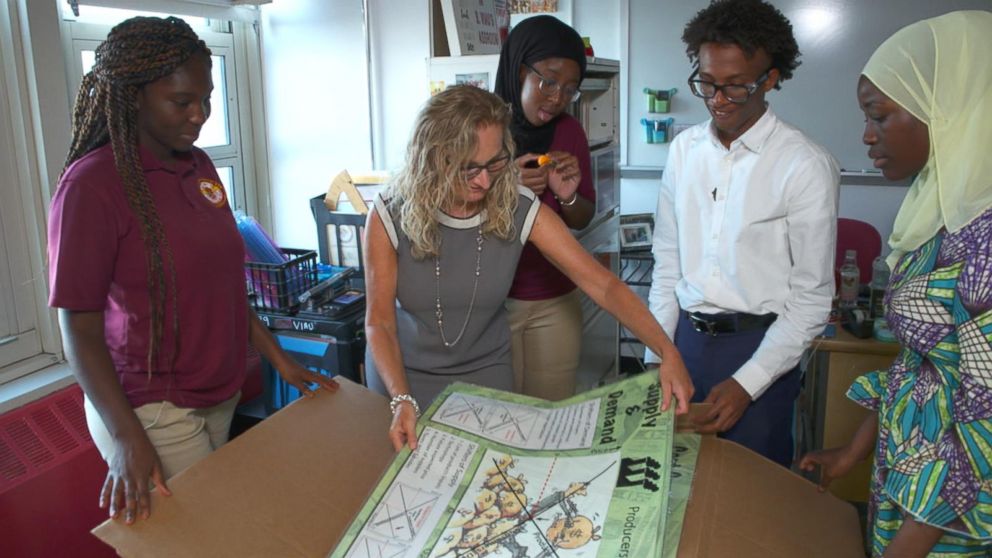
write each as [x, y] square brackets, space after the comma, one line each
[836, 38]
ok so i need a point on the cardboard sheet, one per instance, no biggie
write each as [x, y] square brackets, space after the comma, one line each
[287, 487]
[745, 506]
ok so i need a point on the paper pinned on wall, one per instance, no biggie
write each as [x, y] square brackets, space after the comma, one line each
[472, 26]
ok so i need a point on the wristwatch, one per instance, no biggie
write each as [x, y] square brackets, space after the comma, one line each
[403, 397]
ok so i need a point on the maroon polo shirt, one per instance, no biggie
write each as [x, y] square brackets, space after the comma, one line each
[97, 263]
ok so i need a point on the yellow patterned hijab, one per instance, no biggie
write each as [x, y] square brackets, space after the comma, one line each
[940, 70]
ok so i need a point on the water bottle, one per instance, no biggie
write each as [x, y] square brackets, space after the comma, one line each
[879, 280]
[849, 280]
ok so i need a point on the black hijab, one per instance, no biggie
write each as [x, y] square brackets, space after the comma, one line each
[532, 40]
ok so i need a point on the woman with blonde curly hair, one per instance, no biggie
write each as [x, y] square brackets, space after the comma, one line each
[441, 247]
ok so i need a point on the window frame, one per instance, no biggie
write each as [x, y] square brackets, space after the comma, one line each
[33, 342]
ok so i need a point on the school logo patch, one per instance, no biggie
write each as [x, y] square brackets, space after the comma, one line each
[213, 191]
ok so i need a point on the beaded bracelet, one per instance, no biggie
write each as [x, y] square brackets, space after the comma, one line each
[395, 401]
[575, 198]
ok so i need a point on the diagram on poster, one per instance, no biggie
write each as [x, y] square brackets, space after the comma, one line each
[506, 476]
[522, 426]
[531, 506]
[414, 502]
[373, 547]
[403, 512]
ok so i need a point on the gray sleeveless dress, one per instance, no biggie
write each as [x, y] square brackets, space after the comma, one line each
[482, 355]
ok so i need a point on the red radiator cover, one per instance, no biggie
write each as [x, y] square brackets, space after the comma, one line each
[50, 476]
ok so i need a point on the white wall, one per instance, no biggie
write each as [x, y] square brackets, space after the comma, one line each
[316, 104]
[600, 21]
[877, 205]
[400, 49]
[639, 195]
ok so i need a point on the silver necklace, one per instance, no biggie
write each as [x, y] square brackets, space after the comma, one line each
[438, 312]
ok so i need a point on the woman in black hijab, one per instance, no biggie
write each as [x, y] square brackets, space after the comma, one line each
[541, 67]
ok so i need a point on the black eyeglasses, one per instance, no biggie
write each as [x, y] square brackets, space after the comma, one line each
[735, 93]
[550, 87]
[495, 166]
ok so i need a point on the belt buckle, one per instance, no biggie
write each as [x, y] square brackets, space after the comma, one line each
[703, 326]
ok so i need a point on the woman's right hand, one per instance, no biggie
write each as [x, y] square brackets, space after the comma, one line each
[675, 383]
[536, 179]
[834, 463]
[126, 486]
[403, 430]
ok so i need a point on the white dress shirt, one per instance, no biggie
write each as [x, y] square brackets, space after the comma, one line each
[748, 229]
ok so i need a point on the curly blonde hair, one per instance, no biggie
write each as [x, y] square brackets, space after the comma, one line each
[445, 137]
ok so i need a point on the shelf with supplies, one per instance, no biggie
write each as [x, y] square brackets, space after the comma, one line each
[636, 267]
[636, 259]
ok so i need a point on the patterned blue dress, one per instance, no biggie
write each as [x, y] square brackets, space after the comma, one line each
[935, 402]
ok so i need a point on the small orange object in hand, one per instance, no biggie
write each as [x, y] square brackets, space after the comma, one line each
[544, 160]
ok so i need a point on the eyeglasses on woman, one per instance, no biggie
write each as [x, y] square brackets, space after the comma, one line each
[550, 87]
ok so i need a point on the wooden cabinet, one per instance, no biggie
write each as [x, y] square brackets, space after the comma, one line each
[829, 418]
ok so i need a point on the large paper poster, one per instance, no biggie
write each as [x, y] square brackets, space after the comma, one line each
[508, 476]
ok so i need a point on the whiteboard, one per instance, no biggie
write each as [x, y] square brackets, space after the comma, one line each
[836, 37]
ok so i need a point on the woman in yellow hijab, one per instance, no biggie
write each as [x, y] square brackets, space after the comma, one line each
[927, 98]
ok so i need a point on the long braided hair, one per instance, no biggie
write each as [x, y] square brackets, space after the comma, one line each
[137, 52]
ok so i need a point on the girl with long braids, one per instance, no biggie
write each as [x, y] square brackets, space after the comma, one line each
[147, 266]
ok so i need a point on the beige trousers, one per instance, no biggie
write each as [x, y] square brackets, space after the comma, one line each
[181, 436]
[545, 337]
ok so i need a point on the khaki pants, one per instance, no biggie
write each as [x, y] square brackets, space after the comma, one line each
[180, 436]
[545, 338]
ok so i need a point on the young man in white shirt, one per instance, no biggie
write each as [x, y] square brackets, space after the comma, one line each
[745, 231]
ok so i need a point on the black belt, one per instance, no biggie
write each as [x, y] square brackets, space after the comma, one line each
[734, 322]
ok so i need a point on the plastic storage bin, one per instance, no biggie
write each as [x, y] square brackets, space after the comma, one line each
[276, 287]
[659, 100]
[313, 351]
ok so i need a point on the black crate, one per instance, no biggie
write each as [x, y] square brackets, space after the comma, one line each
[339, 236]
[277, 287]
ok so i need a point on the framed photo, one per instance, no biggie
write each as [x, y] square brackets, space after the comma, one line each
[636, 231]
[479, 79]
